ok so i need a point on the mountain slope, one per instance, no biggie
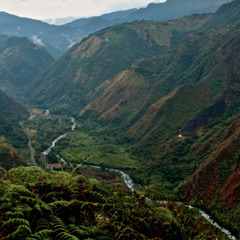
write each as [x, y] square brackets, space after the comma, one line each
[160, 98]
[57, 39]
[21, 62]
[71, 81]
[11, 134]
[227, 14]
[182, 110]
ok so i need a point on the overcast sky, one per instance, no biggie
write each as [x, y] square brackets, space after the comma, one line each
[42, 9]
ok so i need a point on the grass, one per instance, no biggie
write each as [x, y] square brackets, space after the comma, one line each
[80, 146]
[89, 143]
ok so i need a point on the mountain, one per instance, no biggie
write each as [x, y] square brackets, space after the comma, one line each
[171, 9]
[114, 16]
[226, 15]
[59, 21]
[11, 134]
[93, 24]
[71, 81]
[172, 89]
[57, 39]
[21, 61]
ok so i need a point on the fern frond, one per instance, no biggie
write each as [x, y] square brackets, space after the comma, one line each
[43, 234]
[21, 232]
[16, 221]
[57, 204]
[67, 236]
[10, 214]
[54, 195]
[42, 224]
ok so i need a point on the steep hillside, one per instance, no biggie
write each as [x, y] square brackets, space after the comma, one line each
[161, 98]
[11, 134]
[70, 83]
[9, 157]
[182, 110]
[227, 14]
[21, 62]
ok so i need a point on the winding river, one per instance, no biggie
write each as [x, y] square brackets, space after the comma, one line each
[131, 185]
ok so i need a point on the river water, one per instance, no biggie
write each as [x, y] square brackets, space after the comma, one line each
[131, 185]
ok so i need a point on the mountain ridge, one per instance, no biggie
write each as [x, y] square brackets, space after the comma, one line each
[91, 58]
[21, 62]
[58, 39]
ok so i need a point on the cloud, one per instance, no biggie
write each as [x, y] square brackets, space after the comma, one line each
[43, 9]
[38, 41]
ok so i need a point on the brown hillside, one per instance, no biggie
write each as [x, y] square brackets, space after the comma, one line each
[218, 178]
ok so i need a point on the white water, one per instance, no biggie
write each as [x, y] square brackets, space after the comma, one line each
[73, 120]
[130, 184]
[62, 160]
[127, 179]
[31, 117]
[47, 112]
[53, 143]
[47, 151]
[223, 230]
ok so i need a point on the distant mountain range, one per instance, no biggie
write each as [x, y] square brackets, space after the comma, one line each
[58, 39]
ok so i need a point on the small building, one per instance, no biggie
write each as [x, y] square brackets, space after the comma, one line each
[53, 166]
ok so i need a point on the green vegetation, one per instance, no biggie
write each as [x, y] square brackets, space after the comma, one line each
[44, 129]
[157, 99]
[70, 83]
[36, 204]
[12, 136]
[99, 147]
[21, 62]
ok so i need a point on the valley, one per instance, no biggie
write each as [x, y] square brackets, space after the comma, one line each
[155, 100]
[83, 159]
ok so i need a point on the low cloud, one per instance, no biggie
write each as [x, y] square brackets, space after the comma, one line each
[38, 41]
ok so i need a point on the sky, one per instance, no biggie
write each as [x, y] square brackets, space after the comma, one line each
[44, 9]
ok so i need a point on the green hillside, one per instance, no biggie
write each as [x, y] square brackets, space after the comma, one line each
[11, 134]
[70, 83]
[21, 62]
